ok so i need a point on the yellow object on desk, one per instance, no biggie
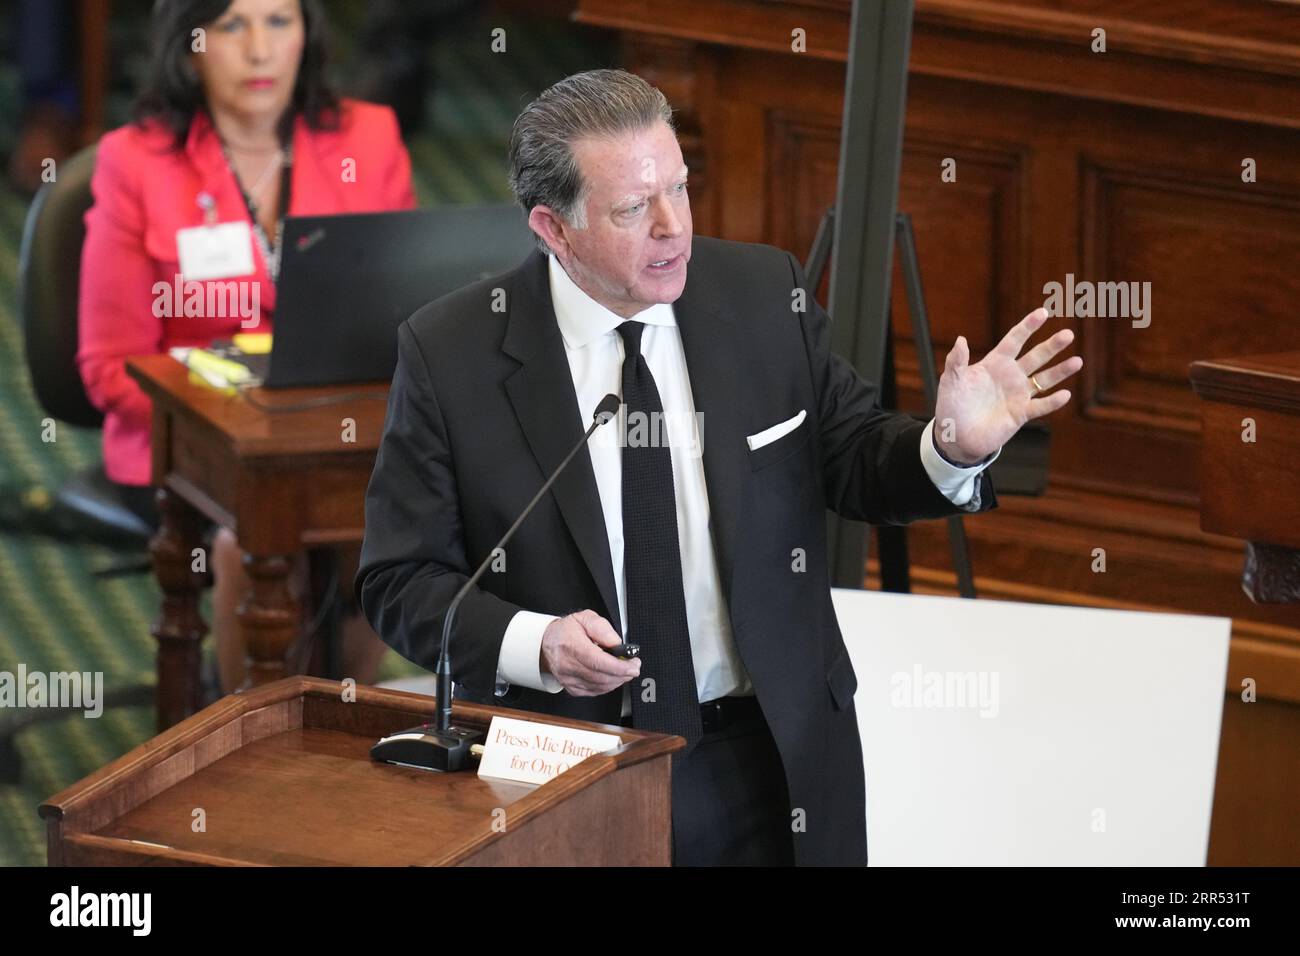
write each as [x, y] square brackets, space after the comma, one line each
[209, 365]
[252, 343]
[213, 370]
[198, 378]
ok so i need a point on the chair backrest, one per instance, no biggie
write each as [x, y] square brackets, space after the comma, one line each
[49, 276]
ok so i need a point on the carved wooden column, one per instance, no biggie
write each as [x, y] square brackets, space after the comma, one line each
[179, 628]
[268, 616]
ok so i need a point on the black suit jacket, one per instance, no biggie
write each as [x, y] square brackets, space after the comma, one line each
[483, 408]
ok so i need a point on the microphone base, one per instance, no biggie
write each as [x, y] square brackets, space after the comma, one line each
[424, 748]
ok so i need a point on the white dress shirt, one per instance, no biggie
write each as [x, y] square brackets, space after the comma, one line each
[595, 353]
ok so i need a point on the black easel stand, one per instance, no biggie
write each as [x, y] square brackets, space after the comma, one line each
[891, 541]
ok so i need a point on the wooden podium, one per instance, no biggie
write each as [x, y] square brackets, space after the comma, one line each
[1251, 490]
[281, 775]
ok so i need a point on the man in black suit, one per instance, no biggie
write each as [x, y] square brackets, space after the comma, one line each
[695, 527]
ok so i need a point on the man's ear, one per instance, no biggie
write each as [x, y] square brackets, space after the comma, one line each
[546, 223]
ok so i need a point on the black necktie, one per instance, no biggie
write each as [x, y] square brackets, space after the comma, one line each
[652, 559]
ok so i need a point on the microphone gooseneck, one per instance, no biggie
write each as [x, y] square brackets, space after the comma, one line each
[604, 412]
[443, 747]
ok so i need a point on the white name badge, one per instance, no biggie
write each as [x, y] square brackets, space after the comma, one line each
[219, 251]
[531, 752]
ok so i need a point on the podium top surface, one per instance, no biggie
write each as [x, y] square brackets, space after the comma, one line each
[282, 776]
[313, 797]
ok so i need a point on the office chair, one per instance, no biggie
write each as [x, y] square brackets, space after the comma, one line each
[47, 302]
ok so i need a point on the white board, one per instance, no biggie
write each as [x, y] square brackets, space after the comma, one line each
[1094, 740]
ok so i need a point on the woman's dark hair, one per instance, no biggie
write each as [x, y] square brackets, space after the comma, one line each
[174, 93]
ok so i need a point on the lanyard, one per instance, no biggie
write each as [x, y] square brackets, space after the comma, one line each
[270, 249]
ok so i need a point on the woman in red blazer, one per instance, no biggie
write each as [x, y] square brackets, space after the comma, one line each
[237, 128]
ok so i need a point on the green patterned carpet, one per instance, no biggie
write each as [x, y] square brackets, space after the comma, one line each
[54, 614]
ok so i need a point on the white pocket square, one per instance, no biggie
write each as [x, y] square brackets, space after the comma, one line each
[769, 435]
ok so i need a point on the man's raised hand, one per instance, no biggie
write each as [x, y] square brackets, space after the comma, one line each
[979, 407]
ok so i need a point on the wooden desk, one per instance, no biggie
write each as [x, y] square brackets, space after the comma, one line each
[281, 481]
[1251, 490]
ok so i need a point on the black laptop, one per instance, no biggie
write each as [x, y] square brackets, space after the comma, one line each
[348, 281]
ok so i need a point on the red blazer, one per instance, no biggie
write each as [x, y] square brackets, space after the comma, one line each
[144, 191]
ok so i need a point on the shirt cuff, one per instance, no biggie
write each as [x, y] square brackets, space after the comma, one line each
[520, 658]
[959, 485]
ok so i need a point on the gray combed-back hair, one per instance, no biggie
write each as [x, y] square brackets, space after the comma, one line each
[543, 169]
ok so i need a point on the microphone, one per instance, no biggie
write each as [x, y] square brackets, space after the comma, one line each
[442, 747]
